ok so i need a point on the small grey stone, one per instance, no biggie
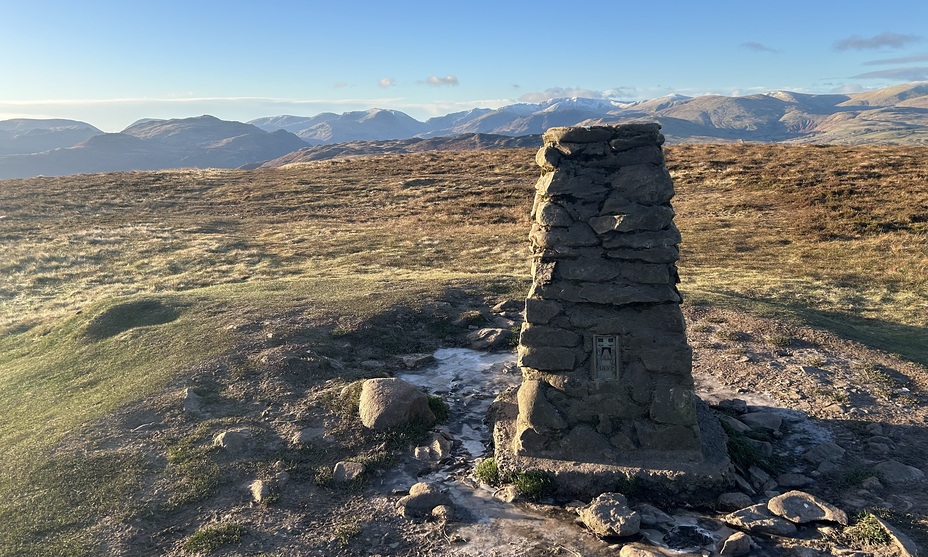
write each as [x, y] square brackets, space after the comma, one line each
[232, 440]
[443, 513]
[824, 451]
[422, 498]
[192, 402]
[793, 480]
[763, 421]
[415, 361]
[652, 516]
[734, 405]
[308, 435]
[346, 471]
[260, 490]
[736, 544]
[640, 550]
[736, 425]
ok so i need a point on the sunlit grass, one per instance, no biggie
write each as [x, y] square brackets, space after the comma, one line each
[836, 237]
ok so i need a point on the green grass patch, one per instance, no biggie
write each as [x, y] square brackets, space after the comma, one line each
[488, 472]
[440, 408]
[867, 530]
[212, 538]
[533, 484]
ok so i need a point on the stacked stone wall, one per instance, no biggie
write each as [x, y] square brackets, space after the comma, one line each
[606, 367]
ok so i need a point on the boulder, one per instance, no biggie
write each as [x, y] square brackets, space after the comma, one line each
[610, 515]
[391, 402]
[801, 507]
[897, 474]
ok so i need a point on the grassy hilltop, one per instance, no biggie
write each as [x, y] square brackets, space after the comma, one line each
[118, 287]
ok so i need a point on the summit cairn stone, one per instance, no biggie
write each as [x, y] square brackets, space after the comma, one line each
[606, 368]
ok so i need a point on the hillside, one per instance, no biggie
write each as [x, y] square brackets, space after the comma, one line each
[891, 116]
[202, 142]
[24, 135]
[145, 314]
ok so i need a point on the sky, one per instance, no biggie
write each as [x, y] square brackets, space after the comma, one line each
[110, 63]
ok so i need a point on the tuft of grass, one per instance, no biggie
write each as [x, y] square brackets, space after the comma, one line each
[212, 538]
[346, 529]
[197, 475]
[867, 530]
[534, 484]
[779, 341]
[440, 408]
[488, 472]
[744, 454]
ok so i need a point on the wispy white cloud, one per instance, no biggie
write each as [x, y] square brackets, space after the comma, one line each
[387, 82]
[758, 47]
[883, 40]
[903, 60]
[341, 85]
[436, 81]
[897, 74]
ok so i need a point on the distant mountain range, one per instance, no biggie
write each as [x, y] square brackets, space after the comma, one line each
[894, 115]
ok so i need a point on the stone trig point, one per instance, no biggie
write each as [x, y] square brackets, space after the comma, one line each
[607, 387]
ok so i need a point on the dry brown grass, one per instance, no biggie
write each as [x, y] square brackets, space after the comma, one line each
[836, 229]
[834, 236]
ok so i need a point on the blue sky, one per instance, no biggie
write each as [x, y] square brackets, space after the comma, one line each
[111, 63]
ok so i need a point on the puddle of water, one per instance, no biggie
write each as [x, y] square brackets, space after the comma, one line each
[468, 381]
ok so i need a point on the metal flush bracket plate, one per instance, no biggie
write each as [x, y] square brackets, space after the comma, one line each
[605, 357]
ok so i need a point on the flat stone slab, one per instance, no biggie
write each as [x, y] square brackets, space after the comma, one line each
[801, 507]
[757, 519]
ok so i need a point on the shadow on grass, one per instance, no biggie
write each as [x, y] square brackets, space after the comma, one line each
[907, 341]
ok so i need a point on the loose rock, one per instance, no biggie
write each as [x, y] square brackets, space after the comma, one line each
[757, 519]
[346, 471]
[388, 403]
[232, 440]
[609, 515]
[738, 543]
[490, 338]
[801, 507]
[422, 499]
[897, 474]
[733, 501]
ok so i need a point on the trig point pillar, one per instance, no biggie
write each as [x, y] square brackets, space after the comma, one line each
[606, 368]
